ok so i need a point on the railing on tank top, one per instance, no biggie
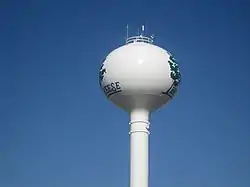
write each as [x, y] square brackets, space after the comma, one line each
[140, 38]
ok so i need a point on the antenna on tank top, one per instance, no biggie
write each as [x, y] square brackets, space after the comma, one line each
[126, 33]
[140, 32]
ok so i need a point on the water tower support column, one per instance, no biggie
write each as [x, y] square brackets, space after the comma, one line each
[139, 133]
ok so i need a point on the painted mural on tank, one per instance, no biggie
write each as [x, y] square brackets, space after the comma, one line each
[175, 74]
[111, 88]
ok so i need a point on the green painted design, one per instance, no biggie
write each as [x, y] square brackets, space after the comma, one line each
[175, 71]
[102, 72]
[175, 75]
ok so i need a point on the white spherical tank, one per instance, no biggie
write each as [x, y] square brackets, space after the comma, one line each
[139, 75]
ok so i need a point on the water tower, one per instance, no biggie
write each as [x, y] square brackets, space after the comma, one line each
[139, 77]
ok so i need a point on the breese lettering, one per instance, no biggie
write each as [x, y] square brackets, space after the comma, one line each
[112, 88]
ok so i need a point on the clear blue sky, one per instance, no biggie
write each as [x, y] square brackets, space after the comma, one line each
[57, 128]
